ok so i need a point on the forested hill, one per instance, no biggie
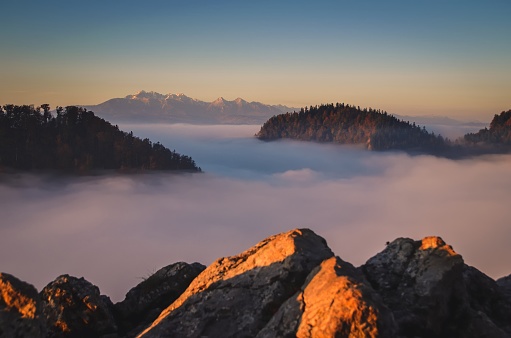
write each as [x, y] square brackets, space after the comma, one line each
[76, 140]
[347, 124]
[498, 134]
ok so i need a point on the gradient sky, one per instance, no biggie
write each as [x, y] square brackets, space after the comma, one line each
[408, 57]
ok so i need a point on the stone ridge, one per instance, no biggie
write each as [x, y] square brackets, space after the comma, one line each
[288, 285]
[334, 301]
[144, 302]
[20, 309]
[245, 290]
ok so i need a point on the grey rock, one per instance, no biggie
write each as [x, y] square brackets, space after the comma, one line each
[74, 307]
[20, 310]
[237, 296]
[144, 302]
[489, 309]
[432, 293]
[335, 301]
[505, 285]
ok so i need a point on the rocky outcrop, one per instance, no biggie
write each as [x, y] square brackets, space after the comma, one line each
[20, 309]
[144, 302]
[237, 296]
[487, 306]
[73, 307]
[432, 293]
[505, 285]
[335, 301]
[288, 285]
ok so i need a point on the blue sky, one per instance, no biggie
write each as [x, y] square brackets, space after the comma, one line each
[407, 57]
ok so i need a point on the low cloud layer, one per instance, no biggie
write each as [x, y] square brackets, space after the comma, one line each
[116, 230]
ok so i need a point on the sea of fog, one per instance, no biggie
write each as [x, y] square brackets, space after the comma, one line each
[116, 230]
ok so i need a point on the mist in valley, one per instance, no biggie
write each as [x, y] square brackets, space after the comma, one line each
[116, 230]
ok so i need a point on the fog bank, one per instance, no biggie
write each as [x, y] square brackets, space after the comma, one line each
[115, 230]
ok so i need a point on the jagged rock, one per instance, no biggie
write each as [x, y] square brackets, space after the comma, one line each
[419, 281]
[505, 285]
[335, 301]
[236, 296]
[490, 310]
[20, 312]
[74, 307]
[145, 302]
[289, 285]
[432, 293]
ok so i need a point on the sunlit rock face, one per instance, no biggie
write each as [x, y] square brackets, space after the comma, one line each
[288, 285]
[20, 314]
[73, 307]
[145, 302]
[236, 296]
[335, 301]
[432, 293]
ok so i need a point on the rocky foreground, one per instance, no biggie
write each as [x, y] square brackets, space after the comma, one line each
[288, 285]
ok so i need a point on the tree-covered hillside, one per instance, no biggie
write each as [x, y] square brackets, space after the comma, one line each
[498, 134]
[78, 141]
[347, 124]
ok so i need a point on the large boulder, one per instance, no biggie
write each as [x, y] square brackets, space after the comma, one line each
[432, 293]
[419, 281]
[145, 301]
[20, 310]
[335, 301]
[74, 307]
[237, 296]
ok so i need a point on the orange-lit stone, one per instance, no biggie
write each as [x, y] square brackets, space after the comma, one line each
[14, 300]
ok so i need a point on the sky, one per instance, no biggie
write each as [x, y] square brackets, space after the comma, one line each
[450, 58]
[116, 230]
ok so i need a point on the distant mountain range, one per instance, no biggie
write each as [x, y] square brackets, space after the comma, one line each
[151, 107]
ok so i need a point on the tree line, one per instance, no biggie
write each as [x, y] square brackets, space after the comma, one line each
[499, 132]
[76, 140]
[345, 124]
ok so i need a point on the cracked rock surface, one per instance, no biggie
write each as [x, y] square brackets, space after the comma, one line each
[74, 307]
[335, 301]
[144, 302]
[432, 293]
[288, 285]
[236, 296]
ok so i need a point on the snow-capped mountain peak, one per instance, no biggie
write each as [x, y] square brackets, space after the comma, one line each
[179, 108]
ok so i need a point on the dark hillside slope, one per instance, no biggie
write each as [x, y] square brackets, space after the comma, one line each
[499, 132]
[347, 124]
[76, 140]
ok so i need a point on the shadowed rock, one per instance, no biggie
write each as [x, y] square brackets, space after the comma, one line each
[288, 285]
[432, 293]
[505, 285]
[144, 302]
[489, 309]
[334, 302]
[73, 307]
[236, 296]
[20, 314]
